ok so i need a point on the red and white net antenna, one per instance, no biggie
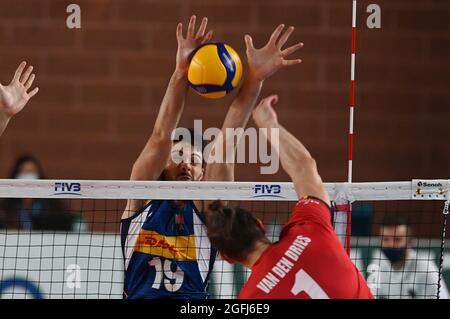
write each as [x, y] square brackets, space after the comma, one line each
[350, 131]
[352, 95]
[344, 209]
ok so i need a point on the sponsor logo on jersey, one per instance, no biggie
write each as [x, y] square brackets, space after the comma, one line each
[172, 247]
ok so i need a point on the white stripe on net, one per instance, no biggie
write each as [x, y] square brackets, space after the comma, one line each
[107, 189]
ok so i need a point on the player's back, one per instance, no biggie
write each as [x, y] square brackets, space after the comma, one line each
[307, 262]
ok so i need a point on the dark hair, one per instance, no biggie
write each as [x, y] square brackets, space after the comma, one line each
[196, 137]
[22, 160]
[52, 213]
[233, 231]
[196, 140]
[394, 220]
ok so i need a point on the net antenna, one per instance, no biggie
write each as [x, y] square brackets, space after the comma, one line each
[343, 215]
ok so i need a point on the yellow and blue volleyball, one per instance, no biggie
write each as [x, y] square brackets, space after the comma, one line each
[215, 70]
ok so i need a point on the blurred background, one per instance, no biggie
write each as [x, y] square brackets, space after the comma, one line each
[101, 85]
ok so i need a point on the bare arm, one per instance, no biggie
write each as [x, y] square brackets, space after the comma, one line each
[294, 157]
[263, 63]
[14, 96]
[153, 158]
[237, 117]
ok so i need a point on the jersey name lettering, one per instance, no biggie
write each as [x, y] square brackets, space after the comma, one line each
[284, 265]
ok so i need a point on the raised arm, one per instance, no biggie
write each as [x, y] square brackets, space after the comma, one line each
[262, 64]
[294, 157]
[153, 158]
[14, 96]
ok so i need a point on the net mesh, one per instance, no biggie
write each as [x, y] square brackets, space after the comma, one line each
[71, 248]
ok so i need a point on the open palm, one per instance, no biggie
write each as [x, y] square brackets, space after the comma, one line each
[192, 40]
[266, 61]
[14, 97]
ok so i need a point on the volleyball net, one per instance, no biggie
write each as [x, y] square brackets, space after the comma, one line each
[60, 239]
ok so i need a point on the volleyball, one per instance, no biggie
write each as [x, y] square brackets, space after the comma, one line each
[215, 70]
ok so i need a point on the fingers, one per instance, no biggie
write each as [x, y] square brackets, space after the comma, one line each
[19, 71]
[191, 30]
[207, 37]
[202, 29]
[248, 42]
[29, 82]
[268, 101]
[285, 37]
[292, 49]
[276, 33]
[271, 100]
[291, 62]
[33, 93]
[191, 27]
[179, 31]
[26, 75]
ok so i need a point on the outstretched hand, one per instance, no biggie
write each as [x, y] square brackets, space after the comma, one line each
[264, 115]
[266, 61]
[14, 97]
[186, 45]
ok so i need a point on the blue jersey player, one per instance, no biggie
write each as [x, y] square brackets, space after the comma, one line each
[166, 250]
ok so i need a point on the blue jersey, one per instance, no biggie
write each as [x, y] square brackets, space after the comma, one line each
[167, 252]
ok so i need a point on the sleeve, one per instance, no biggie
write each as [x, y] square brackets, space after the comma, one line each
[311, 209]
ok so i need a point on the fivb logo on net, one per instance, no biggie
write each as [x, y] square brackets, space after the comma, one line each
[251, 139]
[267, 190]
[67, 188]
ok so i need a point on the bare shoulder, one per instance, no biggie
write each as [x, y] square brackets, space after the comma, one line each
[133, 205]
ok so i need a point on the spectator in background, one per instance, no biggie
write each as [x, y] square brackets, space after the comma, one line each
[38, 213]
[403, 273]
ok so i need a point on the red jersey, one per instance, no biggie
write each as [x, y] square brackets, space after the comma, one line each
[308, 261]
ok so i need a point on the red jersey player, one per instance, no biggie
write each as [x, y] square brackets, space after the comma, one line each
[308, 261]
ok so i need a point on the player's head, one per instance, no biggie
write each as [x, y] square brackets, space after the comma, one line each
[186, 161]
[395, 235]
[235, 232]
[27, 166]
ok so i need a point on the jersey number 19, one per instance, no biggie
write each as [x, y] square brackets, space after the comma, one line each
[163, 273]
